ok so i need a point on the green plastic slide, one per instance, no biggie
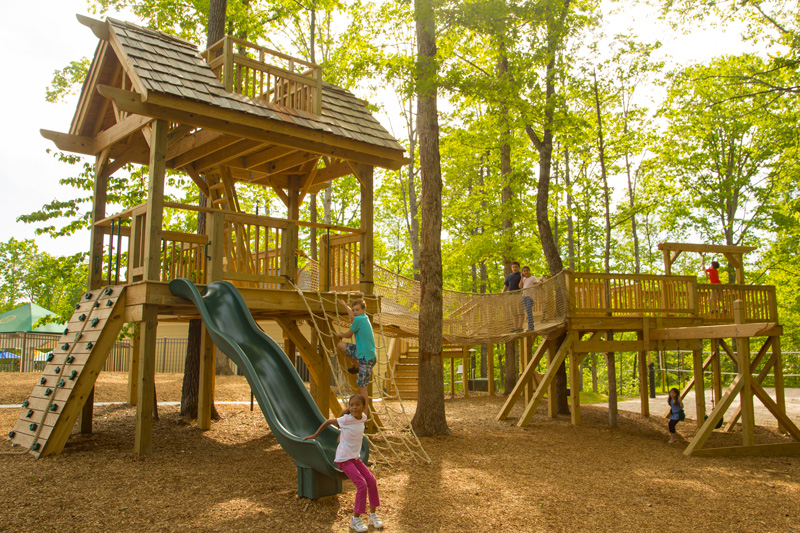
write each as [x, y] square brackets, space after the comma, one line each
[282, 396]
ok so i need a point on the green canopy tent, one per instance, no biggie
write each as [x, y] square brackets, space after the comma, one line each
[22, 318]
[18, 334]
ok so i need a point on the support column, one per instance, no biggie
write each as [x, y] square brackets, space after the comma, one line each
[465, 370]
[527, 351]
[364, 174]
[98, 213]
[699, 386]
[146, 391]
[133, 367]
[644, 398]
[574, 386]
[777, 372]
[612, 383]
[490, 369]
[552, 401]
[206, 385]
[85, 420]
[290, 234]
[716, 373]
[743, 369]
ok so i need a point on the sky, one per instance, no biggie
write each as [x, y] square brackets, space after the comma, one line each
[30, 176]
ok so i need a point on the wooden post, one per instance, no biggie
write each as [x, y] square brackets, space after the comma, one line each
[743, 369]
[527, 352]
[644, 396]
[699, 386]
[146, 390]
[98, 213]
[574, 386]
[205, 393]
[290, 234]
[777, 372]
[716, 373]
[364, 174]
[612, 383]
[85, 419]
[465, 370]
[452, 378]
[133, 367]
[552, 401]
[215, 230]
[155, 200]
[490, 369]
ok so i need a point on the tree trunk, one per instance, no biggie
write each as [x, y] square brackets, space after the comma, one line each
[594, 373]
[191, 367]
[606, 195]
[570, 233]
[510, 367]
[429, 418]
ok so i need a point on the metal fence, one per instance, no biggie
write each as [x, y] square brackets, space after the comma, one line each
[27, 352]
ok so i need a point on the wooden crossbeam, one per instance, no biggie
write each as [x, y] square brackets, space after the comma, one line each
[120, 131]
[722, 331]
[710, 423]
[773, 408]
[704, 248]
[757, 450]
[601, 345]
[552, 368]
[527, 376]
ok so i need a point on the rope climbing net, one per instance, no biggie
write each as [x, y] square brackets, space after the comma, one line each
[394, 438]
[469, 318]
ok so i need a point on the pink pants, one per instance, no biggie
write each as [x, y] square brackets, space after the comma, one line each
[365, 482]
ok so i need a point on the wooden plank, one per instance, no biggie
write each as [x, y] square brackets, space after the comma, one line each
[757, 450]
[704, 248]
[143, 443]
[205, 395]
[710, 423]
[548, 378]
[155, 199]
[772, 407]
[740, 331]
[120, 131]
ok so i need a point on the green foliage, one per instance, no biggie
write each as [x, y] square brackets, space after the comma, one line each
[67, 80]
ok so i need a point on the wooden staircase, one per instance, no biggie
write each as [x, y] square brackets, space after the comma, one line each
[406, 370]
[48, 416]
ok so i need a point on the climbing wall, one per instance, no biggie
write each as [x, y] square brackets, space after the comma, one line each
[48, 416]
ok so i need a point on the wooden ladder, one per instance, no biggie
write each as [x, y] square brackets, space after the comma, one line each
[48, 416]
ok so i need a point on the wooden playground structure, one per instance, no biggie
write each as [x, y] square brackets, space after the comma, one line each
[240, 113]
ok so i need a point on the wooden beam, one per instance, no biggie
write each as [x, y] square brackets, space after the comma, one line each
[601, 345]
[272, 153]
[98, 27]
[757, 450]
[704, 248]
[120, 131]
[783, 420]
[759, 329]
[525, 378]
[202, 150]
[238, 149]
[544, 385]
[205, 394]
[143, 444]
[197, 179]
[716, 415]
[76, 144]
[155, 200]
[257, 128]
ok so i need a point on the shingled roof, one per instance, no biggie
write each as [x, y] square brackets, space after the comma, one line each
[162, 63]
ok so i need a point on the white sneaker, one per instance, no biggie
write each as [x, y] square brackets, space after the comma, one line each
[356, 524]
[374, 521]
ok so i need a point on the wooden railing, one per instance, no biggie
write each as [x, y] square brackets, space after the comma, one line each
[243, 70]
[715, 302]
[340, 258]
[253, 251]
[597, 294]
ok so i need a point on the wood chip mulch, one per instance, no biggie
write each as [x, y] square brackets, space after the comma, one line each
[486, 476]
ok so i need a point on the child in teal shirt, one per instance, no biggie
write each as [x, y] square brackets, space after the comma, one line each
[362, 353]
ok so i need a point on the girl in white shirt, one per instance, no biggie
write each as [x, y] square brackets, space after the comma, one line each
[348, 459]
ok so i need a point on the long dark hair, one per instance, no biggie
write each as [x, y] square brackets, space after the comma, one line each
[363, 402]
[677, 396]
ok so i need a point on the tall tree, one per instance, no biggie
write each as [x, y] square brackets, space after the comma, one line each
[429, 419]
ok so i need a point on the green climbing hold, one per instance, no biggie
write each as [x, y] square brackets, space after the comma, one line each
[65, 346]
[88, 295]
[43, 381]
[11, 434]
[78, 336]
[50, 357]
[54, 408]
[95, 321]
[77, 306]
[73, 375]
[82, 317]
[108, 291]
[33, 426]
[25, 403]
[36, 446]
[29, 413]
[70, 359]
[66, 330]
[97, 304]
[61, 383]
[58, 370]
[89, 345]
[48, 392]
[109, 303]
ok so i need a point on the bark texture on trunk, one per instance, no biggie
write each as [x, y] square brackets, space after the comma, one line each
[429, 418]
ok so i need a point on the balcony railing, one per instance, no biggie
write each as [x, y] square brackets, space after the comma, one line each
[242, 68]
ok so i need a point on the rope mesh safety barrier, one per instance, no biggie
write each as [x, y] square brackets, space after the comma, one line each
[469, 318]
[394, 438]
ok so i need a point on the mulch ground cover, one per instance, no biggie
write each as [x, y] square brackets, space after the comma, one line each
[486, 476]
